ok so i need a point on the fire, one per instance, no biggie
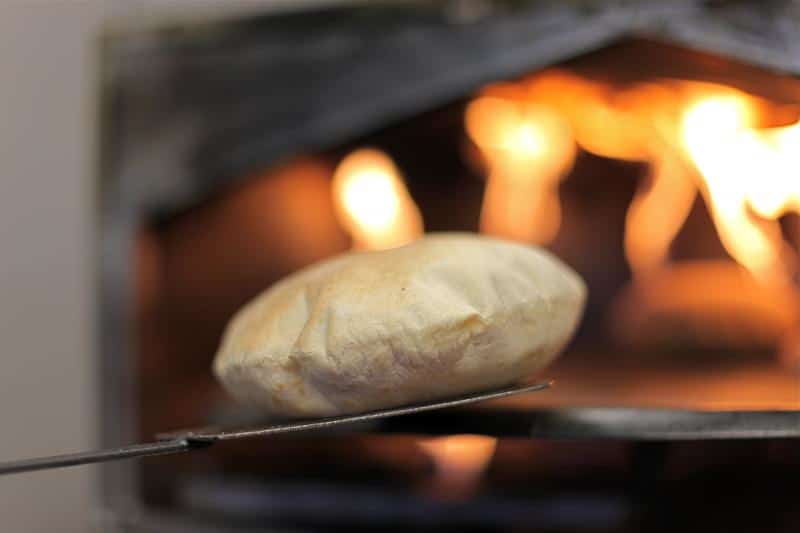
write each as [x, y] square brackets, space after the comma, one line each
[528, 149]
[372, 202]
[657, 213]
[696, 137]
[718, 136]
[598, 124]
[779, 193]
[459, 462]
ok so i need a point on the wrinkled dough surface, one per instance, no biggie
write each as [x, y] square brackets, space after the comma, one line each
[446, 315]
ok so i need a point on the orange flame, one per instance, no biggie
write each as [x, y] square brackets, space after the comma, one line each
[459, 461]
[528, 149]
[695, 136]
[657, 213]
[779, 192]
[372, 202]
[598, 124]
[732, 157]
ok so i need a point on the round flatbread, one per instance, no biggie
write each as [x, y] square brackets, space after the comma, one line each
[446, 315]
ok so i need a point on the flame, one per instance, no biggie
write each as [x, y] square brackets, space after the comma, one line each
[528, 149]
[695, 137]
[598, 124]
[657, 213]
[732, 156]
[372, 202]
[779, 192]
[459, 462]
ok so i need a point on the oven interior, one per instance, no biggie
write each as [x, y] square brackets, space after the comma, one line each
[693, 302]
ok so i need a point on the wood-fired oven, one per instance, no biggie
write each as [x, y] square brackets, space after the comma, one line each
[653, 146]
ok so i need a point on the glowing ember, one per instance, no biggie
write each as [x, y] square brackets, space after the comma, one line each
[528, 149]
[373, 203]
[706, 303]
[460, 461]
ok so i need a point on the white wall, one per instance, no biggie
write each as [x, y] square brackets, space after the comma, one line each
[46, 367]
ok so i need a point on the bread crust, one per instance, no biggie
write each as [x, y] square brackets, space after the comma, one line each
[449, 314]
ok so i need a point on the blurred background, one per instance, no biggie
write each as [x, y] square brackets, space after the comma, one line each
[48, 84]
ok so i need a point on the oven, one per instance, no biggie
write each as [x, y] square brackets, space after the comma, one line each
[653, 146]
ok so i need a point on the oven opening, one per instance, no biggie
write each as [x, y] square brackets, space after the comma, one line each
[667, 177]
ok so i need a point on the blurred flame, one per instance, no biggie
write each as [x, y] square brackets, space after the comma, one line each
[528, 149]
[657, 213]
[372, 202]
[695, 137]
[459, 462]
[598, 125]
[779, 191]
[738, 164]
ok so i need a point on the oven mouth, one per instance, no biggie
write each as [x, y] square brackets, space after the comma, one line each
[221, 149]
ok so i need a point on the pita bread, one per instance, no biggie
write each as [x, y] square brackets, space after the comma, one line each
[446, 315]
